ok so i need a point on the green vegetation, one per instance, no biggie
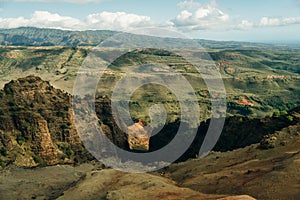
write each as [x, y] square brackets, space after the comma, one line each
[245, 74]
[3, 151]
[260, 80]
[20, 139]
[34, 125]
[267, 76]
[276, 113]
[51, 37]
[2, 163]
[39, 161]
[290, 118]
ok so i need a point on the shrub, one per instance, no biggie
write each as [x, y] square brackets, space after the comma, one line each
[14, 109]
[283, 112]
[69, 152]
[3, 151]
[8, 90]
[276, 113]
[64, 126]
[31, 81]
[76, 161]
[41, 110]
[59, 114]
[66, 108]
[11, 103]
[2, 164]
[39, 161]
[20, 139]
[49, 88]
[290, 118]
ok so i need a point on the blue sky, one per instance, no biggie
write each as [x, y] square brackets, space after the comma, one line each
[240, 20]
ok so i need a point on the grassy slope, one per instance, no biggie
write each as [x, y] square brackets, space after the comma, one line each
[263, 174]
[267, 78]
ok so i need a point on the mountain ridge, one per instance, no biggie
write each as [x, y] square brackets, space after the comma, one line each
[33, 36]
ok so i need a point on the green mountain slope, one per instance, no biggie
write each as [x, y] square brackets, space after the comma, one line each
[255, 82]
[29, 36]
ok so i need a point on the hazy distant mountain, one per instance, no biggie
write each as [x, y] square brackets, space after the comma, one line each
[29, 36]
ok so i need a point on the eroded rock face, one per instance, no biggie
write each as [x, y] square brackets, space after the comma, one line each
[111, 129]
[139, 136]
[44, 144]
[37, 125]
[5, 141]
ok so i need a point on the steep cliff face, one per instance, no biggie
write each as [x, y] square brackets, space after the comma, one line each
[34, 128]
[108, 123]
[37, 126]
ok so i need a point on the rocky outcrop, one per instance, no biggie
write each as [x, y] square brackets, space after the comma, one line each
[268, 142]
[37, 124]
[139, 136]
[34, 130]
[44, 145]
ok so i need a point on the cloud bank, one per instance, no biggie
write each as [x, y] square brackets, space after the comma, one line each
[104, 20]
[206, 16]
[267, 21]
[197, 16]
[193, 16]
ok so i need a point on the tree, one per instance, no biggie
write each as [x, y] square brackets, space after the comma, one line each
[276, 113]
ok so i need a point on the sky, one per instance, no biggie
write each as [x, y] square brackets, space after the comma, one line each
[238, 20]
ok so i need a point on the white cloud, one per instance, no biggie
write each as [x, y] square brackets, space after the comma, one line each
[105, 20]
[266, 21]
[206, 16]
[245, 25]
[42, 19]
[45, 19]
[13, 22]
[198, 16]
[189, 4]
[117, 21]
